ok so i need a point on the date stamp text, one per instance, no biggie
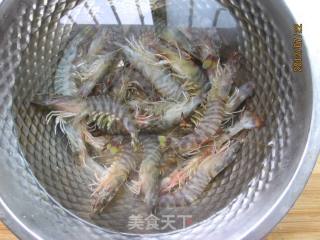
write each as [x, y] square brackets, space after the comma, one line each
[297, 65]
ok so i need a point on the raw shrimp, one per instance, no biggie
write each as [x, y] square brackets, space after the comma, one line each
[104, 111]
[247, 121]
[92, 70]
[149, 173]
[98, 42]
[164, 115]
[237, 98]
[185, 67]
[64, 83]
[79, 76]
[114, 177]
[214, 114]
[146, 62]
[101, 110]
[206, 172]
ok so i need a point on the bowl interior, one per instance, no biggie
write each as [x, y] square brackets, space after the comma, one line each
[248, 26]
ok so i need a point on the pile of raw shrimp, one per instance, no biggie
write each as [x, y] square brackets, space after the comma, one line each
[166, 106]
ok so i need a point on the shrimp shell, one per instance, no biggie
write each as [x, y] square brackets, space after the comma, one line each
[169, 114]
[149, 173]
[247, 121]
[103, 111]
[92, 70]
[64, 83]
[110, 183]
[215, 111]
[240, 95]
[185, 68]
[206, 128]
[146, 62]
[196, 186]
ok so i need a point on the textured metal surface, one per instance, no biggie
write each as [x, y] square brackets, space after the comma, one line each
[37, 171]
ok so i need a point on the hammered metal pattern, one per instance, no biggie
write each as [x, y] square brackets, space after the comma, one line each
[33, 46]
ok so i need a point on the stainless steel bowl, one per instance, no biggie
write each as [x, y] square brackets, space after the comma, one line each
[44, 196]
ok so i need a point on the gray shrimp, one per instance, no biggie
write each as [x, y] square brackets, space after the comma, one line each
[247, 121]
[93, 70]
[237, 98]
[104, 111]
[167, 114]
[195, 79]
[158, 116]
[63, 82]
[78, 76]
[146, 62]
[113, 179]
[214, 114]
[206, 172]
[149, 174]
[98, 42]
[101, 110]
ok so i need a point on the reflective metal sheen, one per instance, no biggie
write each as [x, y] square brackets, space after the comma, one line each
[44, 196]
